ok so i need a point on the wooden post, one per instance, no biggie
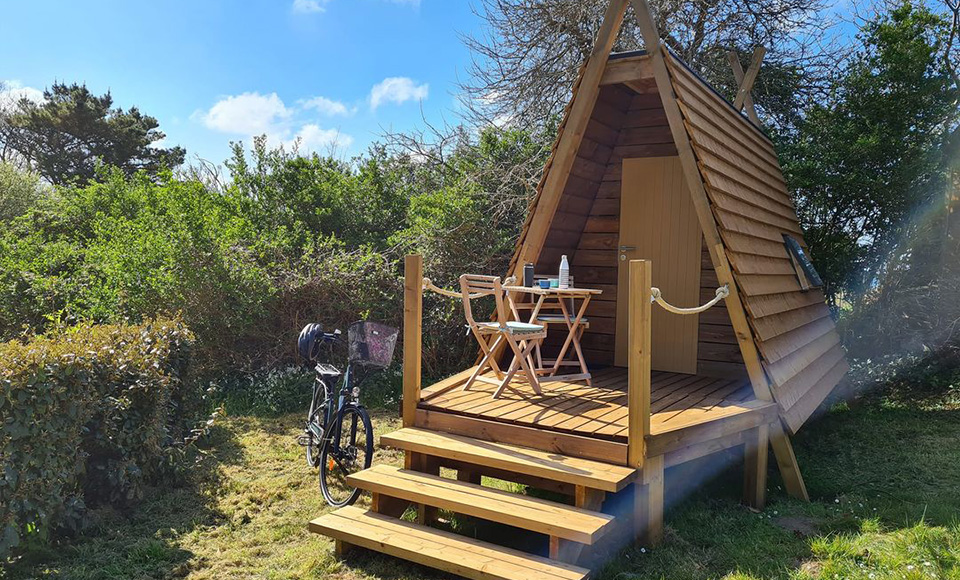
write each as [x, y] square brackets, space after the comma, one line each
[639, 279]
[412, 335]
[648, 502]
[755, 453]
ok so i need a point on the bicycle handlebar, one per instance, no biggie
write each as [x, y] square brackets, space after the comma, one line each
[334, 336]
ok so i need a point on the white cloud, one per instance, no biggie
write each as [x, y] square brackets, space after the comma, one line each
[251, 114]
[397, 90]
[13, 90]
[326, 106]
[318, 6]
[309, 6]
[246, 114]
[313, 138]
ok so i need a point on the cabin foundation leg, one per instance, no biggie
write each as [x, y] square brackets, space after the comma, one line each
[341, 548]
[755, 453]
[468, 475]
[585, 498]
[388, 506]
[554, 548]
[648, 503]
[787, 462]
[424, 464]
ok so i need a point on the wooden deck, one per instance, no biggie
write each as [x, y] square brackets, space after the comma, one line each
[678, 401]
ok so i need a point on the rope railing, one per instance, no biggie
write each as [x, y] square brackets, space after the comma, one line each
[429, 285]
[656, 296]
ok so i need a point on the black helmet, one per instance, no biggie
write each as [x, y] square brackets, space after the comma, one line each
[307, 344]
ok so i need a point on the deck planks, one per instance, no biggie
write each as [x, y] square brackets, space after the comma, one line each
[600, 410]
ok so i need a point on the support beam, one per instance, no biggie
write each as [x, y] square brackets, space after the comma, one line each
[640, 279]
[746, 85]
[787, 461]
[412, 335]
[738, 77]
[755, 453]
[585, 96]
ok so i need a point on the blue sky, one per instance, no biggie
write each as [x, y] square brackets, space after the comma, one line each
[212, 71]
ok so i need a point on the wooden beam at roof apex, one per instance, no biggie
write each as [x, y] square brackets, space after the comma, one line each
[747, 79]
[625, 70]
[734, 59]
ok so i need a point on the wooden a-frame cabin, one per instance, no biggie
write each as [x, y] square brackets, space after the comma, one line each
[654, 180]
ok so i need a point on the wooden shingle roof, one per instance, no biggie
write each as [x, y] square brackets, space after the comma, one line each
[799, 346]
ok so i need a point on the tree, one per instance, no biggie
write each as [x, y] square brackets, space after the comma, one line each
[65, 136]
[864, 161]
[528, 58]
[19, 191]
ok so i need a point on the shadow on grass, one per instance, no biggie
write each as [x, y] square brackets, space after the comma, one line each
[141, 542]
[884, 481]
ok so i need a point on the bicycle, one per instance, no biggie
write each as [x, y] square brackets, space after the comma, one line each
[338, 436]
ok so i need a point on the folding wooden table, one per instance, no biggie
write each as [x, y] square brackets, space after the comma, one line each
[561, 296]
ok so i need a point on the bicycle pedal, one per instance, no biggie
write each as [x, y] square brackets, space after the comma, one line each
[303, 440]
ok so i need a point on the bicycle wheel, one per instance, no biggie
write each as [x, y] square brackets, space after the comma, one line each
[314, 429]
[313, 443]
[353, 454]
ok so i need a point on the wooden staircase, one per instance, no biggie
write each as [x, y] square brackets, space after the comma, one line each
[569, 527]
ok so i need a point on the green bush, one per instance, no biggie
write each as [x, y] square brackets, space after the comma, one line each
[19, 191]
[270, 393]
[88, 417]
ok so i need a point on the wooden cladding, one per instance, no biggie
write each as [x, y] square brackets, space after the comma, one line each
[792, 328]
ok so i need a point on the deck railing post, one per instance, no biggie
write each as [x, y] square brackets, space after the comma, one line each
[638, 360]
[412, 335]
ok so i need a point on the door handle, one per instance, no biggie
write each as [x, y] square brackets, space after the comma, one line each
[627, 248]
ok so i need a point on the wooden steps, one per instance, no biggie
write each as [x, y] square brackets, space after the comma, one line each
[529, 513]
[543, 464]
[439, 549]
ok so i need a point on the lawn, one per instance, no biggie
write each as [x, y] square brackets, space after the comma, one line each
[884, 476]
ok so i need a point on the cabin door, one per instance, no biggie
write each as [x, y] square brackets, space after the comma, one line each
[658, 222]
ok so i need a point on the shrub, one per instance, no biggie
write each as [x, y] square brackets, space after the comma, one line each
[270, 392]
[19, 191]
[87, 416]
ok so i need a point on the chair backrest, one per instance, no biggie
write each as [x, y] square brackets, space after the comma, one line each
[477, 286]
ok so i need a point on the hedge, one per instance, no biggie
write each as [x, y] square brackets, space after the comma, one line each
[87, 416]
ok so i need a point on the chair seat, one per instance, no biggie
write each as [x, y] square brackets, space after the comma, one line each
[513, 326]
[558, 319]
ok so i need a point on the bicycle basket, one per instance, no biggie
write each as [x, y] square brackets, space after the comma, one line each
[371, 344]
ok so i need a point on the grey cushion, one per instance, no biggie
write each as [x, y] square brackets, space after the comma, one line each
[514, 326]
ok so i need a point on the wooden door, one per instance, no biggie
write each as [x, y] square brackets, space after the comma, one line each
[659, 223]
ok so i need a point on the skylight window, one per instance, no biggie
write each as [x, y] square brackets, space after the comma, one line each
[802, 265]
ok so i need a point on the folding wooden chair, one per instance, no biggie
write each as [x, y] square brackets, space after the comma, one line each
[521, 337]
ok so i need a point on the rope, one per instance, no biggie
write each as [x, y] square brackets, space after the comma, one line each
[429, 285]
[655, 296]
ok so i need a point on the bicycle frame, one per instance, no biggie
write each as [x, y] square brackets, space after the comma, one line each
[334, 413]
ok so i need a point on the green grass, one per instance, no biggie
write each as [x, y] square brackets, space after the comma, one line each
[884, 476]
